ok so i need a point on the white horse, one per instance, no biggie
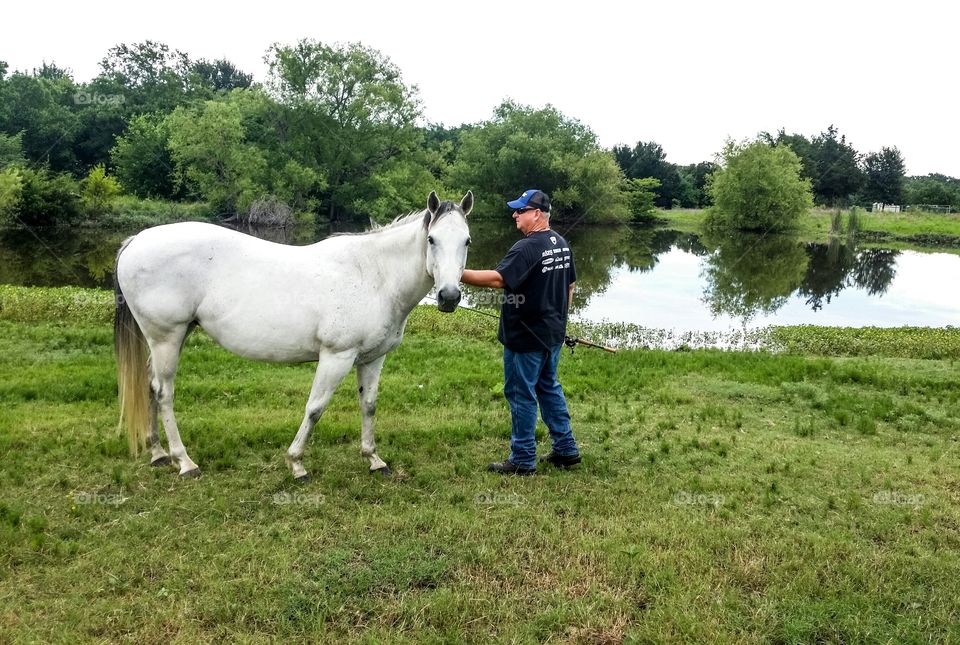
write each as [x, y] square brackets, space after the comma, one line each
[342, 302]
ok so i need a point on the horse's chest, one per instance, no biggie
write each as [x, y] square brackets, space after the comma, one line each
[379, 344]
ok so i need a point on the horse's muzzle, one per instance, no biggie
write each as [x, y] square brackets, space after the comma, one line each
[448, 298]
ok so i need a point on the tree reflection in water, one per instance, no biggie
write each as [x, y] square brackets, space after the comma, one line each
[745, 274]
[750, 274]
[837, 266]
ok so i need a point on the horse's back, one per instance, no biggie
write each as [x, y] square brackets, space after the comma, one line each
[257, 298]
[176, 264]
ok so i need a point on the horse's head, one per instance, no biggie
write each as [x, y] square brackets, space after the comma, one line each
[448, 237]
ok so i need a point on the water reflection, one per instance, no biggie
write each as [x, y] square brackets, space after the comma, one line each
[837, 266]
[653, 277]
[56, 259]
[747, 275]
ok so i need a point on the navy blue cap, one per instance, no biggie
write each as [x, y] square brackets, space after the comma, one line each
[531, 198]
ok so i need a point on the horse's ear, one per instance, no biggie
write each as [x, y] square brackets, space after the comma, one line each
[466, 204]
[433, 204]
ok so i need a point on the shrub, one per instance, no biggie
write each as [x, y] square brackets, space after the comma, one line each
[47, 199]
[641, 194]
[759, 187]
[99, 190]
[11, 189]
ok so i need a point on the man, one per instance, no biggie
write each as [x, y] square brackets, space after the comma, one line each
[537, 276]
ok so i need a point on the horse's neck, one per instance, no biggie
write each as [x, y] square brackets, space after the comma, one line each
[402, 253]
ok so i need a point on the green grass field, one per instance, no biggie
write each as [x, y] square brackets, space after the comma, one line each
[724, 497]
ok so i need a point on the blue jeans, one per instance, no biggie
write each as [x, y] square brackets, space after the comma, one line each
[530, 378]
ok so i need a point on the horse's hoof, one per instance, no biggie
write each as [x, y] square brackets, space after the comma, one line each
[302, 479]
[385, 471]
[191, 474]
[161, 461]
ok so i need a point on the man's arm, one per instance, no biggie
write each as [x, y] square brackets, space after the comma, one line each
[487, 278]
[570, 294]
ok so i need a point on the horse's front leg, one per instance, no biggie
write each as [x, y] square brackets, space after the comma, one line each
[331, 369]
[368, 382]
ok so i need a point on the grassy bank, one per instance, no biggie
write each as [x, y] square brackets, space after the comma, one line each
[724, 496]
[923, 229]
[128, 211]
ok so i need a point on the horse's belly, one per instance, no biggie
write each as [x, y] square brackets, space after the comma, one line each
[263, 334]
[265, 349]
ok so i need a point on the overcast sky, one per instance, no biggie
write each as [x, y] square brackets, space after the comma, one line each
[687, 75]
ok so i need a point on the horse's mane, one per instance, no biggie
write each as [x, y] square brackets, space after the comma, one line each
[403, 220]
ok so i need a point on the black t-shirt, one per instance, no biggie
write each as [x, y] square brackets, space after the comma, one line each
[537, 273]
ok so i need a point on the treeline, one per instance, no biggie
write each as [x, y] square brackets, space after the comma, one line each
[333, 133]
[841, 176]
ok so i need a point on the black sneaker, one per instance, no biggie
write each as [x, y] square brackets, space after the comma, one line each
[509, 468]
[561, 461]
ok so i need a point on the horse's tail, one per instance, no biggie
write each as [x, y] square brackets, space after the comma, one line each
[133, 380]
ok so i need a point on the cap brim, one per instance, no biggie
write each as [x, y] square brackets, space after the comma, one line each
[517, 203]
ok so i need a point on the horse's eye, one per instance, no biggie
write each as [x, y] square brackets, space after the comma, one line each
[430, 239]
[468, 241]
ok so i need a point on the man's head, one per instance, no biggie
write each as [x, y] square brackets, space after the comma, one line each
[531, 211]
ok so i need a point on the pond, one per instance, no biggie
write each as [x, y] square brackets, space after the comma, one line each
[654, 278]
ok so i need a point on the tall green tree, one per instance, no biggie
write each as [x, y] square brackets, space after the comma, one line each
[442, 145]
[933, 189]
[523, 147]
[39, 107]
[885, 172]
[759, 188]
[836, 168]
[140, 78]
[647, 159]
[693, 186]
[11, 149]
[267, 126]
[353, 116]
[141, 158]
[801, 146]
[219, 75]
[144, 78]
[209, 147]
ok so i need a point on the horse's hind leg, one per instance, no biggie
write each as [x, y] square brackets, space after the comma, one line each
[330, 371]
[164, 356]
[158, 456]
[368, 381]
